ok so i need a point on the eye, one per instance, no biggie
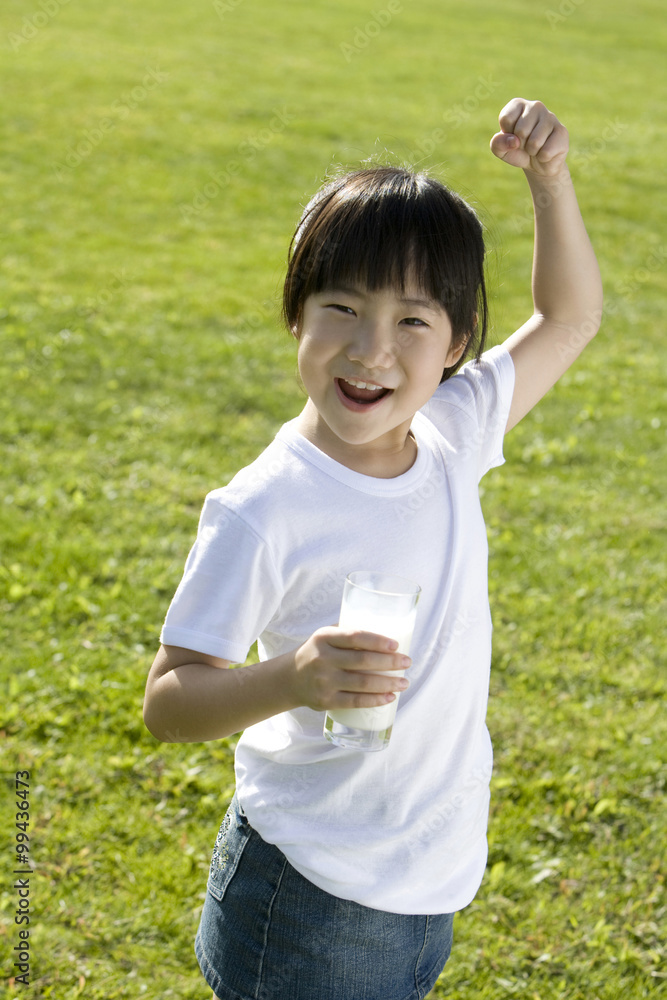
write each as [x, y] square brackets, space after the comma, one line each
[414, 321]
[347, 310]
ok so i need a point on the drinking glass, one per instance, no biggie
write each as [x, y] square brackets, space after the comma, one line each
[386, 605]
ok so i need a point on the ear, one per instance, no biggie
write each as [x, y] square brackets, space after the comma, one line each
[295, 328]
[456, 352]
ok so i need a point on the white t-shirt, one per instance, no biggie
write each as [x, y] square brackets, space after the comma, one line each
[402, 830]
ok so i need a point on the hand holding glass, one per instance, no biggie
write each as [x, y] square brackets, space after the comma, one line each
[385, 605]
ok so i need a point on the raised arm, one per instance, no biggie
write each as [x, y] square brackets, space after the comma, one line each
[567, 290]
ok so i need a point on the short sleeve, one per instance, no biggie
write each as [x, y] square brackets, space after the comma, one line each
[229, 591]
[476, 402]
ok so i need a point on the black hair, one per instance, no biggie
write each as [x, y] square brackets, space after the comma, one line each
[382, 226]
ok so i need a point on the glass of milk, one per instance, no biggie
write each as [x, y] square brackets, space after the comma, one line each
[386, 605]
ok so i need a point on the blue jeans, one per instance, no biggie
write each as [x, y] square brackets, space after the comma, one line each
[267, 933]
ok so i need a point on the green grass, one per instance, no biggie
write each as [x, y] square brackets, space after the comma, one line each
[144, 364]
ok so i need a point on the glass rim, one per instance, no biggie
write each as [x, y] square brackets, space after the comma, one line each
[411, 589]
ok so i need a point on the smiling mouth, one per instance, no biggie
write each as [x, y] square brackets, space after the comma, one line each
[361, 392]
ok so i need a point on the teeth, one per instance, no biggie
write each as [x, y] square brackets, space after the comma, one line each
[361, 385]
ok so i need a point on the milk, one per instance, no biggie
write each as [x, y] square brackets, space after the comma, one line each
[394, 627]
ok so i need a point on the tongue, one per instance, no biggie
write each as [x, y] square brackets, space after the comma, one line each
[361, 395]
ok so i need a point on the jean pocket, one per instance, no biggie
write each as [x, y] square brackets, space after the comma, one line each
[229, 846]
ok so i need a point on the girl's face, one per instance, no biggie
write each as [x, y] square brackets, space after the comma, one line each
[369, 361]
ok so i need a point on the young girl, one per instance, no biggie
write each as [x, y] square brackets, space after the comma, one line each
[336, 873]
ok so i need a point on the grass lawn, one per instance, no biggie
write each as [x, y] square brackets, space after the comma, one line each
[154, 160]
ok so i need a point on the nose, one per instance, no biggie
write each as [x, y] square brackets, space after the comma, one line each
[373, 345]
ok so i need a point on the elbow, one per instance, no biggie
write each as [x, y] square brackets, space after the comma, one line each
[596, 307]
[588, 320]
[156, 724]
[153, 727]
[580, 314]
[160, 709]
[589, 313]
[593, 320]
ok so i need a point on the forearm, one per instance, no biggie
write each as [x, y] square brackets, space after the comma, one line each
[196, 702]
[566, 283]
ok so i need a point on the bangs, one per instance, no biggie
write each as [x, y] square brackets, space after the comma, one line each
[389, 228]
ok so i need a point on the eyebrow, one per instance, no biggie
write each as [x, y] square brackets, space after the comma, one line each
[426, 303]
[348, 290]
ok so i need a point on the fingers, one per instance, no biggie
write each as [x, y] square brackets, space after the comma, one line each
[511, 113]
[531, 136]
[338, 668]
[366, 661]
[364, 683]
[555, 145]
[503, 143]
[377, 646]
[530, 121]
[366, 667]
[354, 682]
